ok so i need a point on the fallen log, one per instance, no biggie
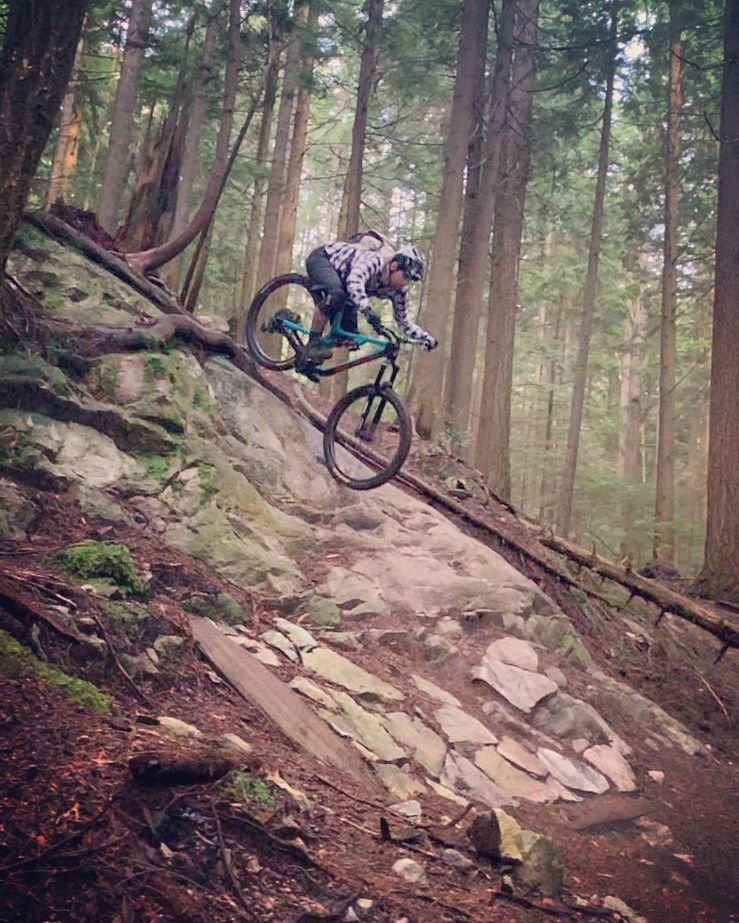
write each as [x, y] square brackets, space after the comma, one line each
[155, 768]
[667, 600]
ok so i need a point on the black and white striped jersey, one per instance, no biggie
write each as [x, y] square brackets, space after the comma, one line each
[360, 270]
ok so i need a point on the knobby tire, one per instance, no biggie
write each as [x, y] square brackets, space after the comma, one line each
[273, 350]
[341, 431]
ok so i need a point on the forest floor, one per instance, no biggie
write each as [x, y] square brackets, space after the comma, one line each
[283, 838]
[80, 841]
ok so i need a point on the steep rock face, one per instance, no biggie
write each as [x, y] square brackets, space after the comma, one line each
[224, 471]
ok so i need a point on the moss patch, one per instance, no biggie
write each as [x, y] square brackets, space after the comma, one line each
[97, 561]
[222, 608]
[247, 789]
[207, 487]
[16, 660]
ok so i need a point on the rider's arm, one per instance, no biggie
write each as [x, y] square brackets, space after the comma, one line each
[404, 321]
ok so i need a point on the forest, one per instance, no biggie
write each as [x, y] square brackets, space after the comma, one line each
[569, 169]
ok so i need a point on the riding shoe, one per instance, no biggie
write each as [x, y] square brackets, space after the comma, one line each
[315, 353]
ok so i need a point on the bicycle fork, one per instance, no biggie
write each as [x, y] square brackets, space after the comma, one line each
[375, 405]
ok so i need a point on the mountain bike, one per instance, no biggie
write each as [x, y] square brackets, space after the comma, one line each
[368, 431]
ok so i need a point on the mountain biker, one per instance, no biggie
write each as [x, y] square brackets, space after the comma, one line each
[355, 270]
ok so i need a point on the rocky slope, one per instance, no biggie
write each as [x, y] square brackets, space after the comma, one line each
[436, 733]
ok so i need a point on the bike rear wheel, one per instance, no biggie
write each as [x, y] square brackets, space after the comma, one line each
[367, 437]
[286, 296]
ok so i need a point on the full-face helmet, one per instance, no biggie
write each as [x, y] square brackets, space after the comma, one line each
[410, 261]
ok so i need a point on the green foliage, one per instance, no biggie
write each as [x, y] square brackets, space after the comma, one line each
[247, 789]
[96, 561]
[17, 660]
[403, 160]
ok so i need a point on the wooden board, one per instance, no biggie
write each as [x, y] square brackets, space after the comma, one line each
[280, 703]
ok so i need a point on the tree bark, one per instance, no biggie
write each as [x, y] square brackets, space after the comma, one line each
[475, 246]
[148, 260]
[281, 152]
[428, 379]
[121, 126]
[254, 220]
[39, 43]
[663, 548]
[67, 146]
[154, 198]
[564, 513]
[720, 573]
[294, 171]
[352, 196]
[492, 446]
[630, 462]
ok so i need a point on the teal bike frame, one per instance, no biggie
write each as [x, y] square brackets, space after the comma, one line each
[386, 347]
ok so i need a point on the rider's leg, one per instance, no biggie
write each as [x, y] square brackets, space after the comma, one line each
[349, 318]
[323, 276]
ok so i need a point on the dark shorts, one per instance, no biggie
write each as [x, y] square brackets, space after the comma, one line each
[323, 276]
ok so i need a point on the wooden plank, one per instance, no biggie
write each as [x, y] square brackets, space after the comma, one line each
[281, 704]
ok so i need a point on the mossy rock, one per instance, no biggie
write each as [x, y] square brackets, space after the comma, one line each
[97, 561]
[17, 660]
[558, 635]
[221, 607]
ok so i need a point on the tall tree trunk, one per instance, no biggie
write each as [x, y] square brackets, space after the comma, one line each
[204, 225]
[39, 43]
[201, 93]
[632, 420]
[547, 493]
[564, 512]
[351, 199]
[492, 440]
[123, 115]
[254, 221]
[663, 548]
[67, 145]
[294, 172]
[475, 244]
[698, 358]
[281, 150]
[428, 381]
[150, 214]
[147, 260]
[720, 573]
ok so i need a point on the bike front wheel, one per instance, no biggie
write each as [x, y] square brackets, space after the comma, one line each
[367, 437]
[270, 343]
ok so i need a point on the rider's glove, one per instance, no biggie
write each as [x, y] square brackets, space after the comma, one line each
[374, 321]
[429, 342]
